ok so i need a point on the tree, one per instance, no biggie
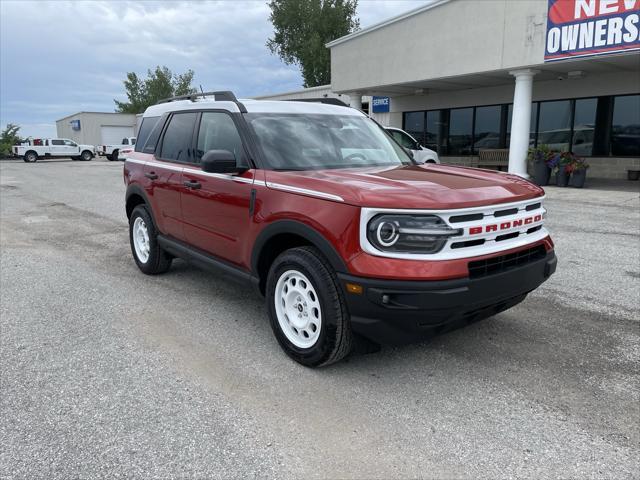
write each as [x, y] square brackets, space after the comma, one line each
[160, 83]
[8, 138]
[303, 27]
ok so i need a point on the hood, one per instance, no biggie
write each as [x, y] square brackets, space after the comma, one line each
[426, 186]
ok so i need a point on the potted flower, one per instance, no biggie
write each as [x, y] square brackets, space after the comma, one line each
[540, 156]
[554, 161]
[563, 167]
[578, 173]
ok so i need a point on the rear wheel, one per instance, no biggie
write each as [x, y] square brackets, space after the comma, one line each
[306, 308]
[143, 236]
[30, 157]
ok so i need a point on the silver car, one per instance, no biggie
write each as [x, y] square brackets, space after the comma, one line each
[420, 154]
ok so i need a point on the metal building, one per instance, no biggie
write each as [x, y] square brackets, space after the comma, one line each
[97, 128]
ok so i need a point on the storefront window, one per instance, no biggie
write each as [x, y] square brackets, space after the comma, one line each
[584, 124]
[587, 126]
[487, 128]
[625, 128]
[461, 131]
[434, 136]
[554, 127]
[414, 125]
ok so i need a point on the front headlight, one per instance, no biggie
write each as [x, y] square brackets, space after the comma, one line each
[409, 233]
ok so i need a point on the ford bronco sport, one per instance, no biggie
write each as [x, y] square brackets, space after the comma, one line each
[331, 220]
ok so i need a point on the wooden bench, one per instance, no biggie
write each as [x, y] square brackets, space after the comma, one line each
[495, 158]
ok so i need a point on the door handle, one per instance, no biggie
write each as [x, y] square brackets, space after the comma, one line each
[192, 184]
[151, 175]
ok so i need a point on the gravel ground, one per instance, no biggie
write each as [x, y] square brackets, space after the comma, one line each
[106, 372]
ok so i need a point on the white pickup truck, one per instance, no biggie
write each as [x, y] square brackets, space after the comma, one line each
[112, 151]
[53, 147]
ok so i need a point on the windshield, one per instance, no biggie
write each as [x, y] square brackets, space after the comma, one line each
[312, 142]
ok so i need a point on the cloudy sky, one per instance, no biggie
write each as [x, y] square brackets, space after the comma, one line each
[58, 58]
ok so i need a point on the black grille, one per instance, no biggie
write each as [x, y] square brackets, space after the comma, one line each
[507, 236]
[468, 243]
[504, 213]
[482, 268]
[466, 218]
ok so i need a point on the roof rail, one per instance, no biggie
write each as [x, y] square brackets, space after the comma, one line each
[327, 100]
[220, 96]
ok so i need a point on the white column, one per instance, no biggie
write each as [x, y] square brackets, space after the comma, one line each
[355, 100]
[520, 121]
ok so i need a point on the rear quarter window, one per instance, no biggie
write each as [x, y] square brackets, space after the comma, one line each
[144, 135]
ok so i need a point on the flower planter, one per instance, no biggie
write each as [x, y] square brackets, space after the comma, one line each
[578, 178]
[562, 178]
[541, 173]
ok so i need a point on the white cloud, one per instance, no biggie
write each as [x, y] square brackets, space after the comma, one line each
[73, 56]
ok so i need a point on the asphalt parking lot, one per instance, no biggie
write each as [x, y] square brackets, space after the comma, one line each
[107, 372]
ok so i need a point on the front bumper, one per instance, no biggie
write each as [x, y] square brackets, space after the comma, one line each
[397, 312]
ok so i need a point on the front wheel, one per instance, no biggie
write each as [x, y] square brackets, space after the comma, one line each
[143, 236]
[114, 155]
[306, 308]
[86, 156]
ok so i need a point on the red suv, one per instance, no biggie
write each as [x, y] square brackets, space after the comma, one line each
[331, 220]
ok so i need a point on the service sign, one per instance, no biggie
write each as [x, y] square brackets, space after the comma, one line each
[380, 104]
[582, 28]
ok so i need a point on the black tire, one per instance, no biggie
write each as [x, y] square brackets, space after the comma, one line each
[114, 155]
[86, 156]
[158, 261]
[30, 157]
[336, 338]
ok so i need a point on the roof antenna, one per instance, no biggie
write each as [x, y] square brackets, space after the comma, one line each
[202, 92]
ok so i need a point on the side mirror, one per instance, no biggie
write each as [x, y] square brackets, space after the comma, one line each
[220, 161]
[408, 152]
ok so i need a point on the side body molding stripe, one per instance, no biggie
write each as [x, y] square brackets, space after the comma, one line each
[233, 178]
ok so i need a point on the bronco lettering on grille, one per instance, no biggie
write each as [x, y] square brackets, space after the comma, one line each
[494, 227]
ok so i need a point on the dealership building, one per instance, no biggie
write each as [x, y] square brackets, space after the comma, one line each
[97, 128]
[465, 76]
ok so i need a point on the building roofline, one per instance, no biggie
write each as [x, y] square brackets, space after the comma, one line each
[397, 18]
[293, 92]
[100, 113]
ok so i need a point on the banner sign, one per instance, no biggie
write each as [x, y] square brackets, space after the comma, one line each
[582, 28]
[380, 104]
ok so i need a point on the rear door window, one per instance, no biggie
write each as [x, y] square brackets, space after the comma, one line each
[178, 138]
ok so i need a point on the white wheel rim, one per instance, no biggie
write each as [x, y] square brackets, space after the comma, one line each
[141, 239]
[298, 309]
